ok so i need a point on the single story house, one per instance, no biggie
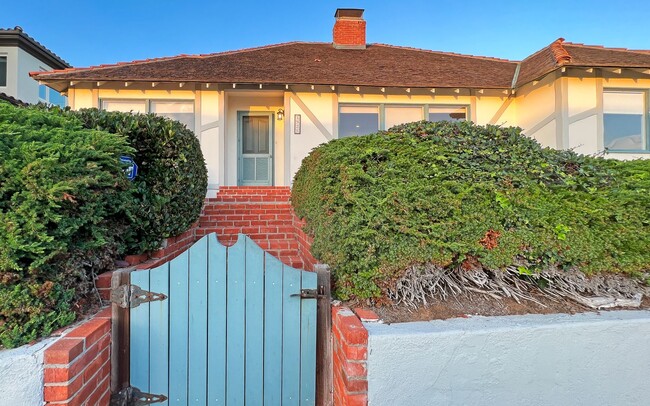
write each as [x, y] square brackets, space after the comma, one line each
[258, 112]
[21, 55]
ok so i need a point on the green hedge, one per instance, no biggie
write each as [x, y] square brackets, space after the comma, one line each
[172, 180]
[63, 197]
[454, 192]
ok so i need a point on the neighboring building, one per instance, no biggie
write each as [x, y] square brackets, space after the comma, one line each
[258, 112]
[21, 54]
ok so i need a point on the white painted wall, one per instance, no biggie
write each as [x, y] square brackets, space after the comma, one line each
[19, 64]
[585, 359]
[21, 374]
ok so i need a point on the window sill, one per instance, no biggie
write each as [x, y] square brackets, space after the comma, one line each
[627, 151]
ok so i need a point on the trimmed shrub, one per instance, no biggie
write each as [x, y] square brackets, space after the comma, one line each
[172, 180]
[458, 193]
[63, 197]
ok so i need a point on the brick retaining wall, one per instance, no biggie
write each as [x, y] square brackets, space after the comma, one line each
[77, 367]
[350, 355]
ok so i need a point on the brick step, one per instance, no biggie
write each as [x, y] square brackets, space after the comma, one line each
[250, 199]
[247, 206]
[254, 190]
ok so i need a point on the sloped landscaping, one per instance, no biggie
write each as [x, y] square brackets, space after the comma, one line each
[426, 212]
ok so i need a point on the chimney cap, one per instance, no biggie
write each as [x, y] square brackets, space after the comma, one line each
[349, 13]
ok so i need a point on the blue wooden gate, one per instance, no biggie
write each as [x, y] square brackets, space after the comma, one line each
[232, 329]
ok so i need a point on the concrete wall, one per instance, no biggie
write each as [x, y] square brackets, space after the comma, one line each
[21, 374]
[585, 359]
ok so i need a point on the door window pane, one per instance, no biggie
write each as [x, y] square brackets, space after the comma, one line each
[182, 111]
[358, 120]
[136, 106]
[624, 120]
[395, 115]
[255, 135]
[450, 113]
[3, 71]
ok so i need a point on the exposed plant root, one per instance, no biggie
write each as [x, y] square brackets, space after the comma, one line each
[424, 283]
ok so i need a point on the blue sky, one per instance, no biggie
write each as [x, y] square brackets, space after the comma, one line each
[90, 32]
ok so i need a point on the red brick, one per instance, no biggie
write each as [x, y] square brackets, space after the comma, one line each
[96, 364]
[52, 393]
[360, 399]
[104, 280]
[92, 330]
[136, 259]
[63, 351]
[350, 326]
[105, 313]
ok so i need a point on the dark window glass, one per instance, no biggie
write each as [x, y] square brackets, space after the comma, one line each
[447, 113]
[3, 71]
[358, 120]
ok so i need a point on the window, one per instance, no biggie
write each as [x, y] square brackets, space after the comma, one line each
[624, 119]
[370, 118]
[136, 106]
[358, 120]
[182, 111]
[396, 115]
[179, 110]
[450, 113]
[50, 96]
[3, 71]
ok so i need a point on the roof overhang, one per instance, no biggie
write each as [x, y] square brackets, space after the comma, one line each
[23, 41]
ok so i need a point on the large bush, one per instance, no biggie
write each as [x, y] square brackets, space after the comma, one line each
[457, 193]
[63, 198]
[172, 180]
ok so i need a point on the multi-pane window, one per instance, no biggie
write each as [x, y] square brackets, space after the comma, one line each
[3, 71]
[624, 118]
[362, 119]
[179, 110]
[358, 120]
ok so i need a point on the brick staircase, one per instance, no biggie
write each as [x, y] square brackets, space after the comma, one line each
[262, 213]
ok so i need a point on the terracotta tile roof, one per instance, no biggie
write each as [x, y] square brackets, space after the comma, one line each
[310, 63]
[560, 53]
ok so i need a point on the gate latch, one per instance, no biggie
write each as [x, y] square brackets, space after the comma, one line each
[131, 396]
[311, 293]
[130, 296]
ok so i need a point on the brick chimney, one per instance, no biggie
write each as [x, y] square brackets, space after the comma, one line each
[349, 29]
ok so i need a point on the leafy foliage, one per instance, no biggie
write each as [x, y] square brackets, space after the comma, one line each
[63, 197]
[172, 179]
[454, 193]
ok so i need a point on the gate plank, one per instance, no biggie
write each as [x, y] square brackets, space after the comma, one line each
[308, 342]
[139, 331]
[272, 331]
[235, 322]
[254, 324]
[290, 337]
[198, 321]
[178, 328]
[216, 322]
[159, 332]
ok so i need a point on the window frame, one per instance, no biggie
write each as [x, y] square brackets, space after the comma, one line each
[381, 108]
[6, 58]
[644, 127]
[147, 104]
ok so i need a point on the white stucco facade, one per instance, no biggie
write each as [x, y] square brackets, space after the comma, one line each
[558, 111]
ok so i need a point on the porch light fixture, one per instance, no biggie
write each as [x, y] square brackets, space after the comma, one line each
[280, 114]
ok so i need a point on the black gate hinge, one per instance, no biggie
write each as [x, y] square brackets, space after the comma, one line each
[130, 296]
[131, 396]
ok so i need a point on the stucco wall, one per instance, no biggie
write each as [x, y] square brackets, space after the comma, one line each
[21, 374]
[12, 68]
[585, 359]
